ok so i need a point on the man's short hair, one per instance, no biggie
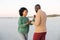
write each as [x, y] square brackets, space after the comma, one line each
[38, 5]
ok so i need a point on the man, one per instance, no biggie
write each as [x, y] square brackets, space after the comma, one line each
[40, 24]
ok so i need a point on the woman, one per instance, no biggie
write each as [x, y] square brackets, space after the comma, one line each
[23, 24]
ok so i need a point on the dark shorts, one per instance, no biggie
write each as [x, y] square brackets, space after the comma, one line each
[39, 36]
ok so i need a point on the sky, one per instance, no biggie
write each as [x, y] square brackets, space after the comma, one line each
[10, 8]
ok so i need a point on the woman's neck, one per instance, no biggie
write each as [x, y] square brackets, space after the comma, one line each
[24, 16]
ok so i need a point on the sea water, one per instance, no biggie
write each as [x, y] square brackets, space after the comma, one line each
[9, 29]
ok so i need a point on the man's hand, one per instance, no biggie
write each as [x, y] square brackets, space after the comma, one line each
[34, 16]
[32, 22]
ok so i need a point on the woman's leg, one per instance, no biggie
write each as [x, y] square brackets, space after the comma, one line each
[22, 37]
[26, 36]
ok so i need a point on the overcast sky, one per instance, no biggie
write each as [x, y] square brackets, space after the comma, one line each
[9, 8]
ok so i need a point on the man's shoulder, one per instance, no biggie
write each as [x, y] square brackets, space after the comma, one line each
[43, 12]
[39, 10]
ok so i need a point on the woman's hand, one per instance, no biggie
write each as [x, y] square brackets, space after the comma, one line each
[28, 22]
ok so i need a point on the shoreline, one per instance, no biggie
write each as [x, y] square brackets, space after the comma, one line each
[50, 16]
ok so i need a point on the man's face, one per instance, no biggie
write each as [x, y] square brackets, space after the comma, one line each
[37, 8]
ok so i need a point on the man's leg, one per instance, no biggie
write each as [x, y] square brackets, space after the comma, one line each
[43, 36]
[37, 36]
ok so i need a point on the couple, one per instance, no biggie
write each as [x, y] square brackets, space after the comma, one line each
[39, 23]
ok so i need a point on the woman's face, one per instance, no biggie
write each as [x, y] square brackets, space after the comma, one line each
[25, 13]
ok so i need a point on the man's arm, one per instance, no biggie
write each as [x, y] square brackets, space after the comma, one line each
[37, 19]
